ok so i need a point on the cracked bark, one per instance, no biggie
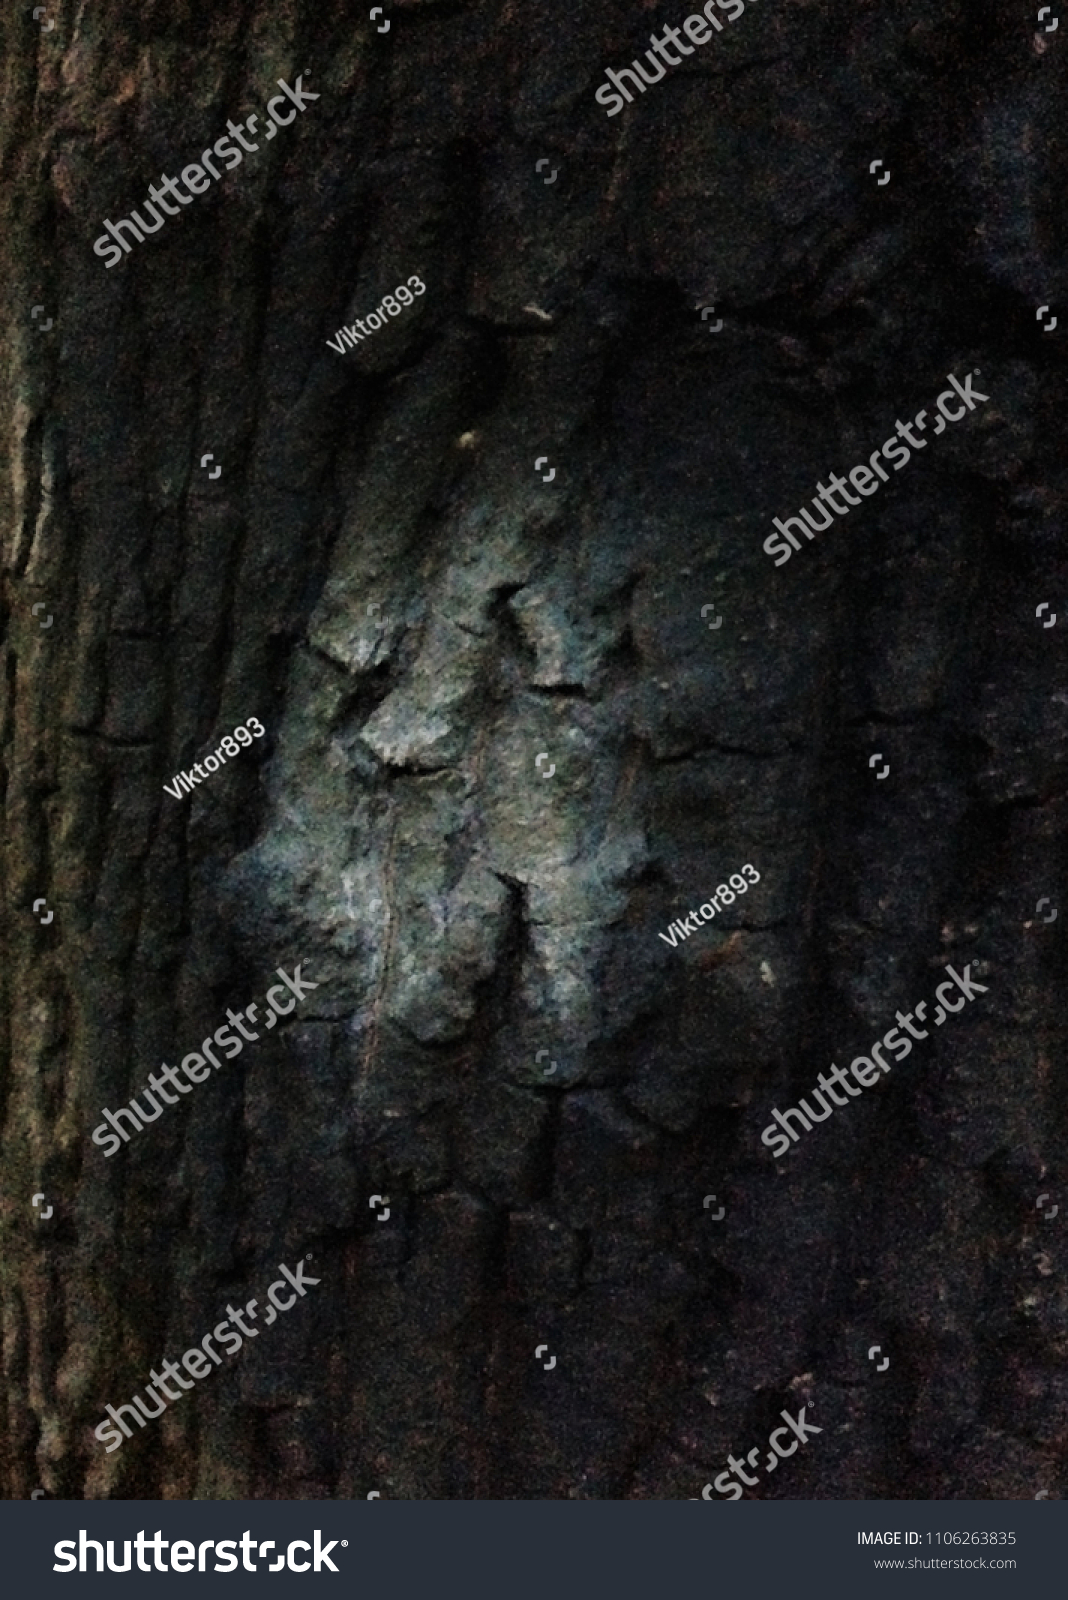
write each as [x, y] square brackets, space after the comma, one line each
[381, 578]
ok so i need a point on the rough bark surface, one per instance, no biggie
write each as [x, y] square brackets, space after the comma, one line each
[380, 576]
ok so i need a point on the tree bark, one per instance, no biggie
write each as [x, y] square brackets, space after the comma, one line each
[541, 1090]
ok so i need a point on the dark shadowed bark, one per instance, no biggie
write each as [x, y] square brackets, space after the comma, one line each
[543, 1090]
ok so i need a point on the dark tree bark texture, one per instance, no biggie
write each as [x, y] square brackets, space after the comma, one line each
[542, 1089]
